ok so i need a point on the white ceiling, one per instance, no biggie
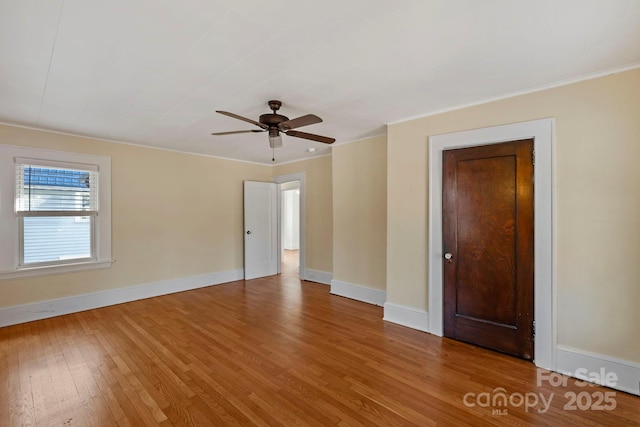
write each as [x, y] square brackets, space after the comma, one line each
[153, 72]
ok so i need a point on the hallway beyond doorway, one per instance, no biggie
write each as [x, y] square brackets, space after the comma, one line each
[290, 262]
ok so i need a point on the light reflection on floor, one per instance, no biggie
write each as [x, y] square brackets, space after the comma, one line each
[290, 262]
[291, 287]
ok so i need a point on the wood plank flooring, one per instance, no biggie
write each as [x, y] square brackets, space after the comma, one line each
[267, 352]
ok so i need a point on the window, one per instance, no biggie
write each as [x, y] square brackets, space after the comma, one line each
[56, 206]
[60, 218]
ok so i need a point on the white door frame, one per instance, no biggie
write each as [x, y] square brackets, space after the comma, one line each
[544, 274]
[300, 177]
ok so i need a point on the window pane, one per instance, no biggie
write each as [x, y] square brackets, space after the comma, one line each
[55, 189]
[55, 238]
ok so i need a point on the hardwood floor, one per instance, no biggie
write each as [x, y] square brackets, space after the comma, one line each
[268, 352]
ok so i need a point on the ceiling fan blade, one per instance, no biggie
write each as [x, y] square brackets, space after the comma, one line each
[237, 131]
[309, 119]
[235, 116]
[312, 137]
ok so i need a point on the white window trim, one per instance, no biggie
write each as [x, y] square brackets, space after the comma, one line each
[9, 230]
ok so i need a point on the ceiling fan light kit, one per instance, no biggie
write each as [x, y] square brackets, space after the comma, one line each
[275, 123]
[275, 140]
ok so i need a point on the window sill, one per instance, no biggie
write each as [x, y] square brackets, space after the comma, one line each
[53, 269]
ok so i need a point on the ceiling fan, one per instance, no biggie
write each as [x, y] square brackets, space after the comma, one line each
[275, 123]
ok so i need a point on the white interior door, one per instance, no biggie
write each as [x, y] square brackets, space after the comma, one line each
[260, 229]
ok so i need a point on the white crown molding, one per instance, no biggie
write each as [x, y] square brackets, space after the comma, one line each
[514, 94]
[133, 144]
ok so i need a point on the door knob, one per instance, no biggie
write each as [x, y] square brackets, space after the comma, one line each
[448, 256]
[248, 231]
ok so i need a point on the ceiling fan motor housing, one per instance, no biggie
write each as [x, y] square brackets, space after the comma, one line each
[273, 119]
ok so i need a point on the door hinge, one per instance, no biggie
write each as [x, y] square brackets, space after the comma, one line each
[533, 157]
[533, 329]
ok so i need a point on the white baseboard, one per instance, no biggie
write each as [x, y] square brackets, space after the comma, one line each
[406, 316]
[570, 360]
[57, 307]
[359, 293]
[318, 276]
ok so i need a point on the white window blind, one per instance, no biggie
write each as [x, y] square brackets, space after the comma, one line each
[47, 189]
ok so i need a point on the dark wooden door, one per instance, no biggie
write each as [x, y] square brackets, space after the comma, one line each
[488, 246]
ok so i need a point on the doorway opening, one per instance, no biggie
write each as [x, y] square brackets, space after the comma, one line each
[290, 228]
[291, 224]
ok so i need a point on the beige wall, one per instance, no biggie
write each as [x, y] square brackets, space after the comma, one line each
[318, 216]
[597, 182]
[407, 214]
[173, 215]
[360, 213]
